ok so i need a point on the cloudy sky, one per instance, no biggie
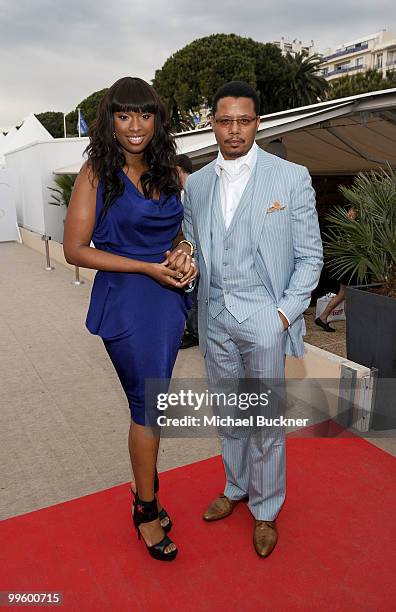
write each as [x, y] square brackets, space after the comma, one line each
[54, 53]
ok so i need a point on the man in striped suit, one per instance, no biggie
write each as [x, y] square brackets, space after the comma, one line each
[252, 219]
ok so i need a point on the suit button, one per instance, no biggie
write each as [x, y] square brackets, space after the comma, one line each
[206, 301]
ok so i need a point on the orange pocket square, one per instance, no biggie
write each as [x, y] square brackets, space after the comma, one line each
[275, 206]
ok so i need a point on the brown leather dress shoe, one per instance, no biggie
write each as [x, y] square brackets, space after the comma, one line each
[220, 508]
[265, 537]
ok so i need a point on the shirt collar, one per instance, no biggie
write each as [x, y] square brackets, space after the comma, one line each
[234, 166]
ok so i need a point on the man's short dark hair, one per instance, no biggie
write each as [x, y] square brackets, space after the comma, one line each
[236, 89]
[184, 162]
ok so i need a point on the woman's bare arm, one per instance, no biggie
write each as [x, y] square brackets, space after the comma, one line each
[177, 238]
[79, 227]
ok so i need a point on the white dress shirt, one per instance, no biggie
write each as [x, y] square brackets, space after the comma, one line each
[234, 175]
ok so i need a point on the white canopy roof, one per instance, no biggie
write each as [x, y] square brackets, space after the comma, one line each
[7, 139]
[30, 131]
[337, 137]
[72, 169]
[6, 142]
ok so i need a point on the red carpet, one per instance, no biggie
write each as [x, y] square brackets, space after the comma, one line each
[335, 552]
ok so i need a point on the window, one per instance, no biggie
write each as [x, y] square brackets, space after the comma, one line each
[378, 63]
[359, 62]
[391, 58]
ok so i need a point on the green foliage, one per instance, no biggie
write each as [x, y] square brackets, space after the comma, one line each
[304, 84]
[88, 107]
[62, 193]
[189, 78]
[53, 122]
[365, 246]
[364, 82]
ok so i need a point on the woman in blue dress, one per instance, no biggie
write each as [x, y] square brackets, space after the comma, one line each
[127, 200]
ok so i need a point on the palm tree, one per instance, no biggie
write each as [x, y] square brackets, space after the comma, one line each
[63, 190]
[304, 84]
[366, 245]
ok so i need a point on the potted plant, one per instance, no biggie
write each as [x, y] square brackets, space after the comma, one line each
[61, 197]
[363, 246]
[62, 192]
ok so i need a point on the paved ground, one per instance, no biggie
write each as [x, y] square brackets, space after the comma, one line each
[333, 342]
[64, 417]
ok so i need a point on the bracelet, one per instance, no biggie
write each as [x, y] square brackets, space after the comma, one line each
[190, 287]
[189, 244]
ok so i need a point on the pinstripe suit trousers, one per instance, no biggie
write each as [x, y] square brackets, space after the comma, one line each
[255, 464]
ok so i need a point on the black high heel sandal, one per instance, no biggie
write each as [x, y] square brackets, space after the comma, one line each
[162, 514]
[145, 512]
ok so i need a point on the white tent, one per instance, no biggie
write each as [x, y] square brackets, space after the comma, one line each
[6, 144]
[30, 131]
[337, 137]
[8, 219]
[2, 140]
[7, 138]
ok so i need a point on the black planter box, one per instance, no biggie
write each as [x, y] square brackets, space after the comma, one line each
[371, 341]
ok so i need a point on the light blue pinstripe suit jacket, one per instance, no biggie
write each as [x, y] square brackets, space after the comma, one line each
[286, 242]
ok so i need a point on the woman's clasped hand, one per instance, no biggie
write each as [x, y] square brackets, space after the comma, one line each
[177, 270]
[183, 265]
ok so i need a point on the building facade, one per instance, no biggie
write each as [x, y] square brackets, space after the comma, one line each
[374, 51]
[295, 46]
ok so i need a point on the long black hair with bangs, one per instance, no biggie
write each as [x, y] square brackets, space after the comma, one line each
[105, 155]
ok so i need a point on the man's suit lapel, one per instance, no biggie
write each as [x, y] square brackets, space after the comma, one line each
[204, 214]
[262, 194]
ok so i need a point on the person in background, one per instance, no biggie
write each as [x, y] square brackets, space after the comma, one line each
[344, 281]
[184, 168]
[321, 321]
[190, 337]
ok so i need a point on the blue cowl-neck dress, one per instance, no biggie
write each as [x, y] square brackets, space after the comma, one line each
[140, 321]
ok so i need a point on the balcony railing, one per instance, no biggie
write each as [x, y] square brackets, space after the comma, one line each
[345, 52]
[346, 69]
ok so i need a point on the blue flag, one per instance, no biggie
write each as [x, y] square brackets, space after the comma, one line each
[83, 126]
